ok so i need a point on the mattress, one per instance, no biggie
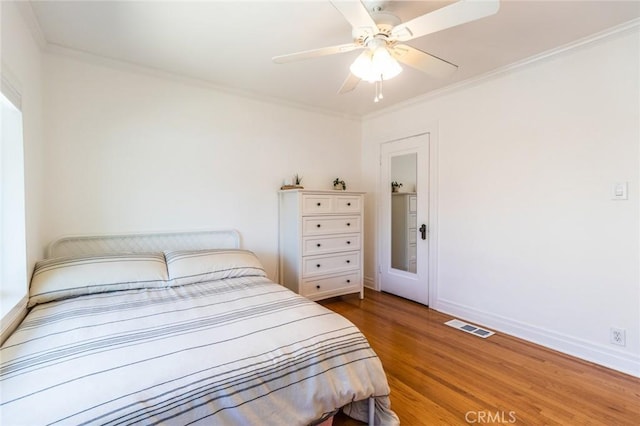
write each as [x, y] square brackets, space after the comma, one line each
[224, 346]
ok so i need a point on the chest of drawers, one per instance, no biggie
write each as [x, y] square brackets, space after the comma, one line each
[320, 242]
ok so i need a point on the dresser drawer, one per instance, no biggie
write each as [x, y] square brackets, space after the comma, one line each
[347, 204]
[412, 221]
[330, 225]
[338, 283]
[412, 252]
[317, 204]
[322, 244]
[413, 204]
[328, 264]
[326, 204]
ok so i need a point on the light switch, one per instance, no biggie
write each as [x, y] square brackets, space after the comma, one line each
[620, 191]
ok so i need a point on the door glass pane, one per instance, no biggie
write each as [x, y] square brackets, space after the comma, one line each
[404, 203]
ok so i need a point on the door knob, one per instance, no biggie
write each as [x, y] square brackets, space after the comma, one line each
[423, 231]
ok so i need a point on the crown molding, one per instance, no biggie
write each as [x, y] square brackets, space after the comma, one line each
[132, 67]
[33, 24]
[609, 33]
[29, 15]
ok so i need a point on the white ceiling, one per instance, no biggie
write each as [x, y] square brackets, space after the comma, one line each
[230, 43]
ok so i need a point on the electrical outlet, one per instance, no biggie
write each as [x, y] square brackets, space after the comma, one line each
[618, 336]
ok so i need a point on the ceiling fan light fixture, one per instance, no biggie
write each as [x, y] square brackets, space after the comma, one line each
[375, 65]
[384, 65]
[379, 31]
[361, 67]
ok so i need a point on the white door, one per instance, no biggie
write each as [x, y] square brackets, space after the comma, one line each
[404, 215]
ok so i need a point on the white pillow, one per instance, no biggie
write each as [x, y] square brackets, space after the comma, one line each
[68, 277]
[194, 266]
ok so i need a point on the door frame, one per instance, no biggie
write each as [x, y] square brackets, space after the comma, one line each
[432, 224]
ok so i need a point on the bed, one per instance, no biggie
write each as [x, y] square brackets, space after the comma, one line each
[177, 329]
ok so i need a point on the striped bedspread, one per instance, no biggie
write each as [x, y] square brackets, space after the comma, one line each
[234, 351]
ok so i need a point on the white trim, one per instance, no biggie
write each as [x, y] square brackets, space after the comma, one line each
[33, 24]
[10, 87]
[431, 130]
[29, 15]
[13, 318]
[117, 64]
[609, 357]
[434, 144]
[370, 283]
[15, 279]
[515, 66]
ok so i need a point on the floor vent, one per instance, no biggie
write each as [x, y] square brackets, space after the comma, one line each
[469, 328]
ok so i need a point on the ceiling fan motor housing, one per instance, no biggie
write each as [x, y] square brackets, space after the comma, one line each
[383, 34]
[385, 22]
[372, 41]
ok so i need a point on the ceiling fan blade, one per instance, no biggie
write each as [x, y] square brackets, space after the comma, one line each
[449, 16]
[356, 14]
[422, 61]
[349, 84]
[307, 54]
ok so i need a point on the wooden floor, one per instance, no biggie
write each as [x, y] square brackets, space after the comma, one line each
[440, 375]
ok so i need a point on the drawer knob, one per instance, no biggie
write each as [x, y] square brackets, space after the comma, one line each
[348, 204]
[348, 281]
[318, 244]
[318, 287]
[318, 225]
[348, 224]
[348, 261]
[318, 265]
[319, 204]
[348, 242]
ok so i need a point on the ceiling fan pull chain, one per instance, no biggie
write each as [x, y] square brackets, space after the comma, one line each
[378, 86]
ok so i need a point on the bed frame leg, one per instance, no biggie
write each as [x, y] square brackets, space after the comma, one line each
[372, 411]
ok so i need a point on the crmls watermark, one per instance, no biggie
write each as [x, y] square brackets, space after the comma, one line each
[501, 417]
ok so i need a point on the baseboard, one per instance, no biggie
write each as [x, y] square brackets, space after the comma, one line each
[610, 358]
[370, 283]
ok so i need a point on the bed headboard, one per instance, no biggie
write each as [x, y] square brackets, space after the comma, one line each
[140, 243]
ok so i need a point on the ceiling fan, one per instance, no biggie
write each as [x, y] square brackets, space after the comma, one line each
[381, 34]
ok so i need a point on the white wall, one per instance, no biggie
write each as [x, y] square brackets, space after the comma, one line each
[530, 241]
[130, 151]
[22, 66]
